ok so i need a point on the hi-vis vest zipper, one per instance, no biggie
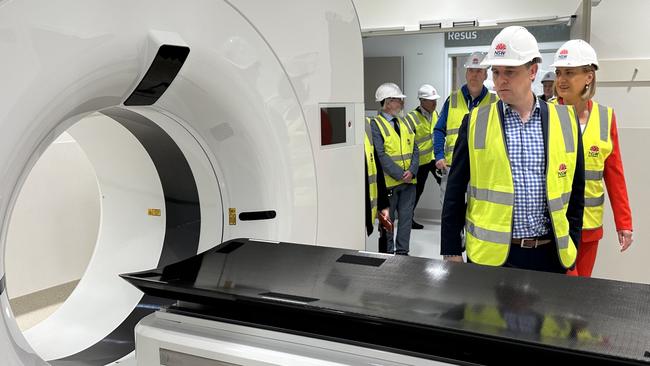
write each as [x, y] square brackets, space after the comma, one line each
[423, 134]
[398, 148]
[491, 188]
[457, 110]
[369, 148]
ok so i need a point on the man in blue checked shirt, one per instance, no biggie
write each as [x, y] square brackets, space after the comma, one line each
[523, 161]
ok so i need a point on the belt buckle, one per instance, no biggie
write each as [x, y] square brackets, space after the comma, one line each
[528, 243]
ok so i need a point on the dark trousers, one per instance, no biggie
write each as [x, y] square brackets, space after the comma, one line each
[383, 240]
[423, 174]
[543, 258]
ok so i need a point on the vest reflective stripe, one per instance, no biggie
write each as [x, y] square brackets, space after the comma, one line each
[604, 122]
[597, 148]
[498, 237]
[369, 149]
[401, 158]
[425, 152]
[594, 201]
[457, 110]
[502, 198]
[481, 128]
[385, 131]
[399, 148]
[562, 243]
[410, 124]
[558, 203]
[423, 134]
[565, 122]
[593, 175]
[491, 193]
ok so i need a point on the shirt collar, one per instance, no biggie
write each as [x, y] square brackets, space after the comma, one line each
[387, 116]
[507, 108]
[468, 96]
[423, 112]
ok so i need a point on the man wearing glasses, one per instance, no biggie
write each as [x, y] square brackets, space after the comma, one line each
[394, 141]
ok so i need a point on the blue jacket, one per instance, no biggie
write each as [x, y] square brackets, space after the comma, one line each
[440, 131]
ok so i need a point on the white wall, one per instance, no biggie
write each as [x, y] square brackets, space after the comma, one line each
[55, 221]
[387, 13]
[424, 62]
[618, 31]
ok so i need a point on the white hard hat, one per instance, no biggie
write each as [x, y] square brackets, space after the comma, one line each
[388, 90]
[474, 60]
[549, 76]
[575, 52]
[427, 91]
[513, 46]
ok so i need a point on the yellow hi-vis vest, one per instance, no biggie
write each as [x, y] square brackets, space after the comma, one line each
[372, 170]
[423, 134]
[398, 148]
[552, 327]
[457, 110]
[491, 188]
[597, 143]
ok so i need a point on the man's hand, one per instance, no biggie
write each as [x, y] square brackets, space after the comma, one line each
[407, 176]
[384, 220]
[441, 164]
[625, 239]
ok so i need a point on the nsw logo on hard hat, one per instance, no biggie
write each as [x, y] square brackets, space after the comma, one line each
[594, 151]
[475, 61]
[561, 171]
[500, 50]
[563, 54]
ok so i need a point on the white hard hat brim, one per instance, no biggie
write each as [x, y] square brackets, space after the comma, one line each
[504, 62]
[479, 66]
[571, 64]
[399, 96]
[433, 97]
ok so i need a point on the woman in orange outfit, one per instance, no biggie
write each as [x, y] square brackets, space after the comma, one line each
[575, 84]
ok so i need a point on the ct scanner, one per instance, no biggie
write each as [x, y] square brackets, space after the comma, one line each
[213, 110]
[212, 120]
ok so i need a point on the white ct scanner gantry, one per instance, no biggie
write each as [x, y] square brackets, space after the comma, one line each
[248, 121]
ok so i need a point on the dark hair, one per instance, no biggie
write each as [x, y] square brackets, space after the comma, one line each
[532, 62]
[382, 102]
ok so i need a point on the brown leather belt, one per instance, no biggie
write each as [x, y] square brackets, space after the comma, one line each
[530, 242]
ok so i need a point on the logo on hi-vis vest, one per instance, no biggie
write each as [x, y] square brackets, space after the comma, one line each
[500, 50]
[594, 151]
[563, 54]
[561, 171]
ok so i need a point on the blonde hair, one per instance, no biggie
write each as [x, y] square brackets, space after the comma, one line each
[587, 92]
